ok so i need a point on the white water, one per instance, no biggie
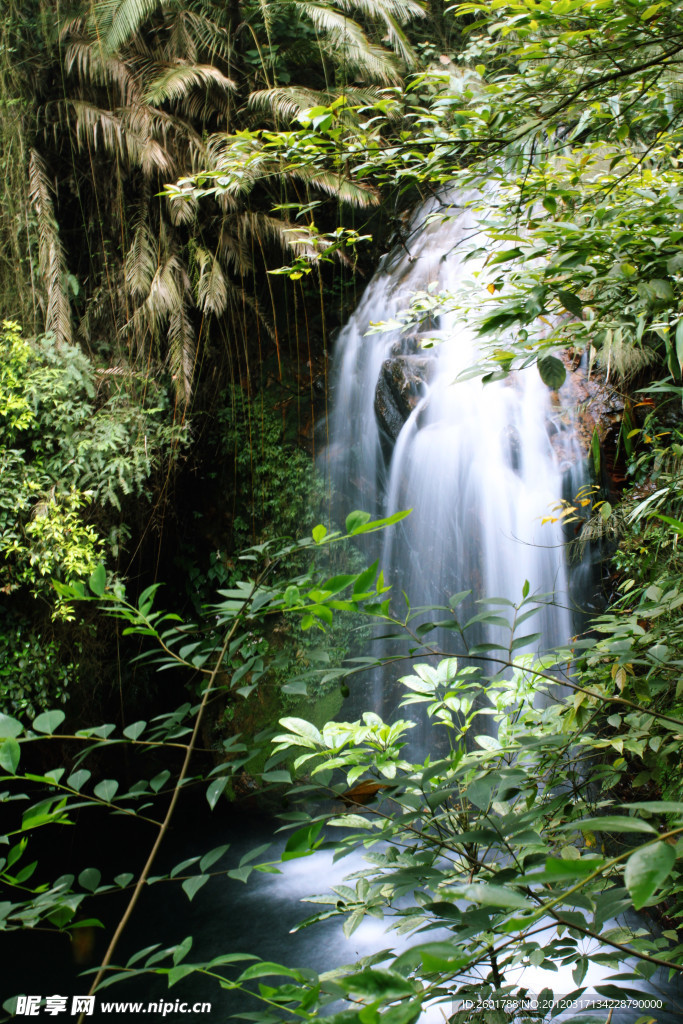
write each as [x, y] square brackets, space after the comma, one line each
[474, 461]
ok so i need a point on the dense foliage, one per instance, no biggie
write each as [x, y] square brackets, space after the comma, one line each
[278, 132]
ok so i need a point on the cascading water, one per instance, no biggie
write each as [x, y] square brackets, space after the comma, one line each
[473, 461]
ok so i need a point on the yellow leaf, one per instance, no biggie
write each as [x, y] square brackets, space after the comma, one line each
[490, 288]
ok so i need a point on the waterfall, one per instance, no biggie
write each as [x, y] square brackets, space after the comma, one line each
[473, 461]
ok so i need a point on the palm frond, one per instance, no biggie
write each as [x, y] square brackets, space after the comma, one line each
[399, 42]
[165, 297]
[349, 45]
[234, 247]
[622, 357]
[141, 259]
[343, 188]
[210, 39]
[181, 352]
[286, 101]
[393, 14]
[176, 80]
[85, 59]
[125, 135]
[401, 10]
[182, 209]
[212, 295]
[50, 251]
[119, 20]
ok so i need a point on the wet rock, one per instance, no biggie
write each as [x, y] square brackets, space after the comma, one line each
[583, 404]
[400, 386]
[408, 345]
[513, 448]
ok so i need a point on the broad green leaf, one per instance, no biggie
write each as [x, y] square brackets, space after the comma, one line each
[106, 789]
[9, 727]
[10, 753]
[181, 951]
[194, 884]
[134, 730]
[377, 984]
[355, 520]
[492, 895]
[674, 807]
[596, 452]
[552, 371]
[572, 303]
[679, 344]
[215, 790]
[48, 722]
[268, 969]
[609, 823]
[212, 857]
[319, 533]
[646, 869]
[98, 581]
[280, 776]
[90, 879]
[304, 730]
[78, 779]
[180, 971]
[160, 780]
[302, 842]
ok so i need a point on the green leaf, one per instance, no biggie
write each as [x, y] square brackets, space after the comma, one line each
[355, 520]
[160, 780]
[552, 371]
[572, 303]
[90, 879]
[646, 869]
[609, 823]
[215, 790]
[134, 730]
[303, 729]
[479, 792]
[181, 971]
[181, 951]
[78, 779]
[194, 884]
[679, 344]
[48, 722]
[10, 753]
[302, 842]
[595, 451]
[98, 581]
[319, 533]
[106, 789]
[365, 580]
[9, 726]
[658, 806]
[268, 969]
[212, 856]
[492, 895]
[280, 776]
[377, 984]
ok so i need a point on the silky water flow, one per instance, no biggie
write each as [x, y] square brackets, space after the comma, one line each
[481, 465]
[473, 461]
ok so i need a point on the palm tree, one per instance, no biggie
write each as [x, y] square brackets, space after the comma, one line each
[131, 94]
